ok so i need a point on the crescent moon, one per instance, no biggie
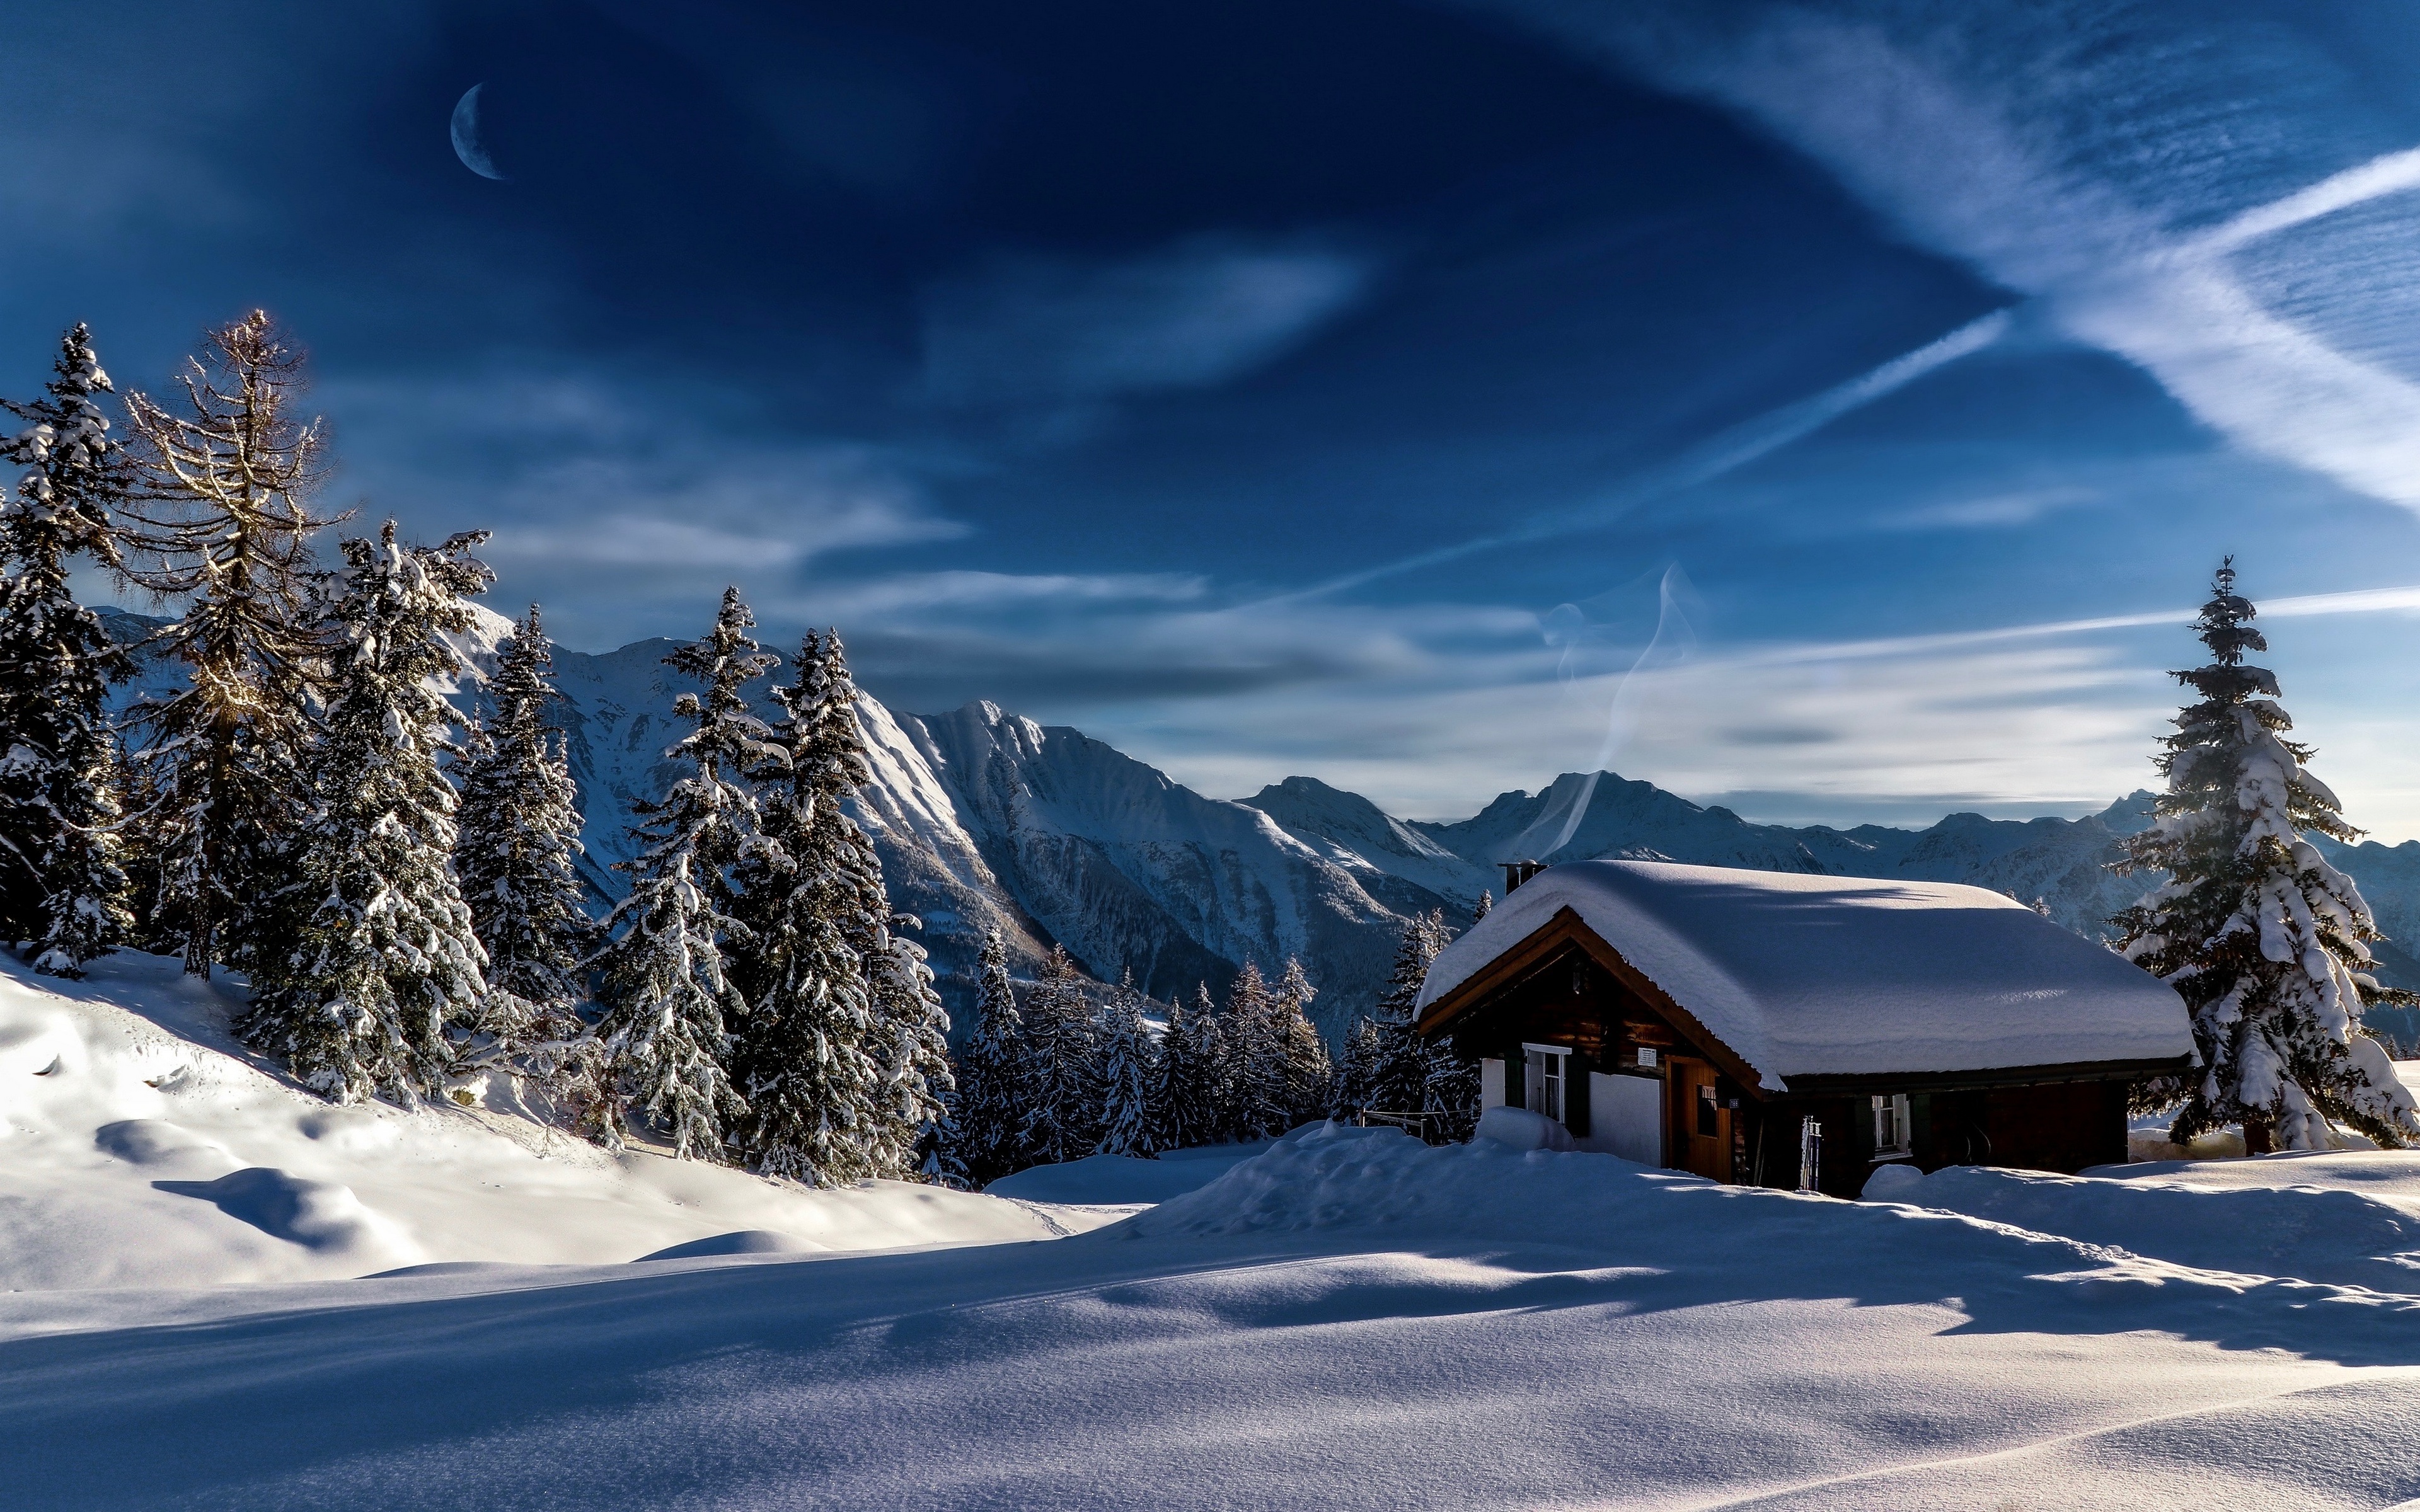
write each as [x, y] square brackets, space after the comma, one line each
[467, 146]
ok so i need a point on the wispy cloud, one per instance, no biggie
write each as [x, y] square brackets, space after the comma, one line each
[2002, 165]
[966, 591]
[1034, 332]
[2022, 506]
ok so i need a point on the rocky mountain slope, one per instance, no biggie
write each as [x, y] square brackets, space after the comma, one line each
[986, 819]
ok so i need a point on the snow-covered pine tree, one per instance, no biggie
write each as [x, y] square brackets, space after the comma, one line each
[919, 1085]
[908, 1031]
[1061, 1096]
[803, 1054]
[1253, 1042]
[62, 883]
[385, 963]
[1451, 1092]
[666, 996]
[1349, 1092]
[1302, 1052]
[1188, 1098]
[1398, 1072]
[1130, 1076]
[2267, 942]
[989, 1120]
[1486, 902]
[222, 519]
[520, 835]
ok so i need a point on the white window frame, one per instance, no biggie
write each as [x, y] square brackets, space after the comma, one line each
[1546, 1079]
[1894, 1129]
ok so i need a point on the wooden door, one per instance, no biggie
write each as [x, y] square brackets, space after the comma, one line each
[1701, 1125]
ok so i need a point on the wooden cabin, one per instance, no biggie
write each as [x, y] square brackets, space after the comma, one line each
[1695, 1017]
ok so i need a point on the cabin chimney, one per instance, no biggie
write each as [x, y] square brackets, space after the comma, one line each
[1517, 873]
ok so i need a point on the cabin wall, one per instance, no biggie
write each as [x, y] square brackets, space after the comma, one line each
[1618, 1043]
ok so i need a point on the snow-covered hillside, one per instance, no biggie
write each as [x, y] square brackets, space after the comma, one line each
[141, 1145]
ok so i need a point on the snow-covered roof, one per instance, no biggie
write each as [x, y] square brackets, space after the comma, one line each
[1811, 976]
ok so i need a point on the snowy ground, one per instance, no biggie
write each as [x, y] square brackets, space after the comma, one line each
[1344, 1319]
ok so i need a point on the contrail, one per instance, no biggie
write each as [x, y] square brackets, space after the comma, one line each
[2389, 173]
[1725, 451]
[1619, 719]
[2306, 606]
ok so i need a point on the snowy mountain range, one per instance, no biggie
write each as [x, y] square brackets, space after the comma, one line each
[988, 819]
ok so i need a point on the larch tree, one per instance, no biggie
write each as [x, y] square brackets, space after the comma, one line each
[222, 520]
[667, 997]
[1129, 1076]
[384, 966]
[989, 1118]
[803, 1053]
[1061, 1098]
[63, 884]
[2266, 941]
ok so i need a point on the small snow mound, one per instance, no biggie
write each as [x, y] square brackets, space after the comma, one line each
[1897, 1182]
[1337, 1176]
[352, 1129]
[2333, 1237]
[744, 1241]
[1117, 1181]
[157, 1142]
[1522, 1130]
[317, 1216]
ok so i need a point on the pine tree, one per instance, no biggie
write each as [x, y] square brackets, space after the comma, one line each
[224, 520]
[1349, 1094]
[1061, 1097]
[1253, 1042]
[1486, 902]
[990, 1120]
[1130, 1076]
[62, 881]
[520, 835]
[1450, 1091]
[804, 1053]
[1400, 1060]
[909, 1031]
[1186, 1095]
[2267, 942]
[1302, 1055]
[385, 963]
[666, 995]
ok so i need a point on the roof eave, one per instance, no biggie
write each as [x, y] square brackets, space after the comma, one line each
[1837, 1084]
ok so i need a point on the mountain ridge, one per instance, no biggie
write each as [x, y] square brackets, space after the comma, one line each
[986, 819]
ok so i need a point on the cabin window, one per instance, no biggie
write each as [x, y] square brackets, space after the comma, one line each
[1893, 1134]
[1542, 1085]
[1709, 1111]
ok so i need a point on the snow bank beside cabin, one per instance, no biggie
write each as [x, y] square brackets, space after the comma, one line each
[2255, 1218]
[1827, 976]
[141, 1145]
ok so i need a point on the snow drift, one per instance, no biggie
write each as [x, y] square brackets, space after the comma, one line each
[141, 1145]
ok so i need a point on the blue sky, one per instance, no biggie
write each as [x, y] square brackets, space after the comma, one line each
[1352, 389]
